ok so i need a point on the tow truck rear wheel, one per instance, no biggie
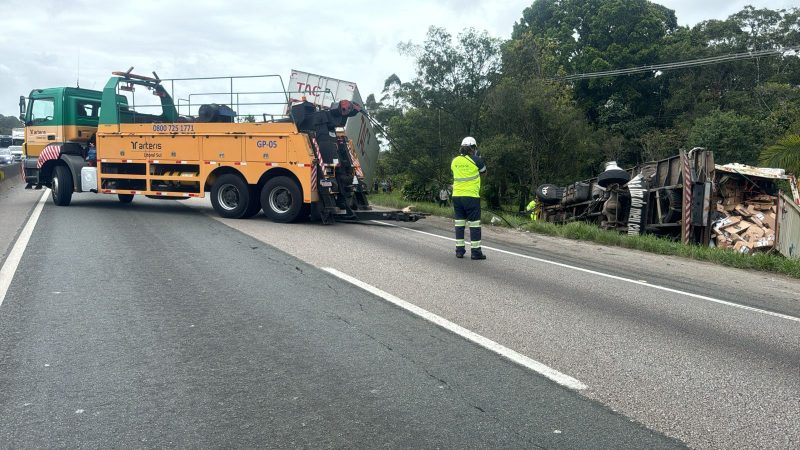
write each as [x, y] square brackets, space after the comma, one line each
[230, 196]
[61, 186]
[281, 199]
[125, 198]
[255, 203]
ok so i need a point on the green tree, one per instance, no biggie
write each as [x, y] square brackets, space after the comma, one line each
[784, 154]
[732, 137]
[598, 35]
[539, 136]
[453, 77]
[426, 118]
[7, 123]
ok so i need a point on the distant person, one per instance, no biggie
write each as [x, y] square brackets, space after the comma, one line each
[444, 196]
[533, 210]
[468, 168]
[91, 152]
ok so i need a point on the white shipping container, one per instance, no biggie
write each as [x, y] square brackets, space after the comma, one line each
[323, 91]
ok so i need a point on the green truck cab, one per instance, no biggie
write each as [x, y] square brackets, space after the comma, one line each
[63, 117]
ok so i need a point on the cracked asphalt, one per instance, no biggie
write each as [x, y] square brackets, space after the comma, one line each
[147, 325]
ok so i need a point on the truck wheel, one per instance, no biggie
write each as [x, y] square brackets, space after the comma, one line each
[230, 196]
[61, 186]
[125, 198]
[281, 199]
[255, 203]
[671, 205]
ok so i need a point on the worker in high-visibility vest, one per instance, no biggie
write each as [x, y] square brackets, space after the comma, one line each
[468, 168]
[531, 208]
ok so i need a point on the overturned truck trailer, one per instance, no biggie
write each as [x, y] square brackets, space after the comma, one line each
[686, 197]
[322, 91]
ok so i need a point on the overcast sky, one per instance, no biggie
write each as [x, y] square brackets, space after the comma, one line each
[42, 41]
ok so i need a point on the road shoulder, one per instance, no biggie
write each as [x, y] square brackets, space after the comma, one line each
[16, 204]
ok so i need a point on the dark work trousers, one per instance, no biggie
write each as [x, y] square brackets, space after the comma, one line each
[467, 213]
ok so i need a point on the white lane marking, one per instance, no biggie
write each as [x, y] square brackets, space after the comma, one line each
[613, 277]
[12, 261]
[518, 358]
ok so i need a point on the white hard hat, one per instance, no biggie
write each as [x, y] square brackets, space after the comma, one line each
[469, 141]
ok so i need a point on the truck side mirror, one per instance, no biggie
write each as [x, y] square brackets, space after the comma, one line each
[22, 108]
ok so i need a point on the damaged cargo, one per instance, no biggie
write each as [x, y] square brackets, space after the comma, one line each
[686, 197]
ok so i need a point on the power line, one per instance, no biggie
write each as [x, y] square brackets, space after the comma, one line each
[680, 64]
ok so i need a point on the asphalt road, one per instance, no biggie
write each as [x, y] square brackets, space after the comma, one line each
[155, 325]
[661, 340]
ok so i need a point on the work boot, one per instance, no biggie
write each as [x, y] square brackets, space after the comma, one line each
[460, 252]
[477, 254]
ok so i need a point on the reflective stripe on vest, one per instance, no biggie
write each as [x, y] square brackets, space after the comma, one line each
[467, 178]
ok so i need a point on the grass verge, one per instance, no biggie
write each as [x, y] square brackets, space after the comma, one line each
[767, 262]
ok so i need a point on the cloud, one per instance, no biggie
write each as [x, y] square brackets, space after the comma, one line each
[49, 43]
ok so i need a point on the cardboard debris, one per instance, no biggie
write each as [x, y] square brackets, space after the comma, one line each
[757, 219]
[755, 232]
[747, 225]
[743, 247]
[769, 220]
[738, 227]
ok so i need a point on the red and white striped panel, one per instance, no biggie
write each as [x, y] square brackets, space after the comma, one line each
[314, 179]
[318, 153]
[210, 162]
[270, 164]
[687, 198]
[303, 165]
[356, 162]
[240, 163]
[52, 151]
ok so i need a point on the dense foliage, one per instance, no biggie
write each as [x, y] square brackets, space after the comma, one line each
[7, 123]
[533, 127]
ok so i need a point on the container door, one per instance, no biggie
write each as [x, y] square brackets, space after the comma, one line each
[788, 228]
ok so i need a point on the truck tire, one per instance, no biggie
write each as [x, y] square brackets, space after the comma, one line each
[613, 176]
[61, 185]
[549, 194]
[671, 205]
[125, 198]
[230, 196]
[281, 199]
[255, 203]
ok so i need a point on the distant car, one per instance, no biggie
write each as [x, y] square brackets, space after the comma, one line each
[5, 156]
[16, 152]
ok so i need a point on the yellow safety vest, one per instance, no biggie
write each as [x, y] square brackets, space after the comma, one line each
[466, 177]
[532, 208]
